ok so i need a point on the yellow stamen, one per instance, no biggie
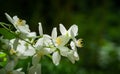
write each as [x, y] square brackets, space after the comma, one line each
[79, 43]
[58, 41]
[40, 54]
[12, 51]
[20, 22]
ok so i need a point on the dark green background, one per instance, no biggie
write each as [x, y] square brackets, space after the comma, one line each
[99, 26]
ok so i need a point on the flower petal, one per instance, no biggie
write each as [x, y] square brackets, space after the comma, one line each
[72, 44]
[74, 29]
[39, 42]
[9, 18]
[29, 52]
[31, 35]
[70, 56]
[54, 33]
[62, 29]
[24, 29]
[62, 40]
[63, 50]
[35, 59]
[56, 58]
[76, 55]
[40, 29]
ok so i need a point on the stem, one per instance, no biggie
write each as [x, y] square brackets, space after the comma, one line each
[2, 24]
[49, 56]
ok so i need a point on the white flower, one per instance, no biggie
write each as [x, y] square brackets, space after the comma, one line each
[60, 40]
[44, 46]
[73, 28]
[44, 43]
[22, 49]
[59, 43]
[21, 26]
[72, 32]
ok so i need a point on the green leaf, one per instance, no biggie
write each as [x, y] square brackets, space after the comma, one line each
[2, 54]
[6, 33]
[3, 59]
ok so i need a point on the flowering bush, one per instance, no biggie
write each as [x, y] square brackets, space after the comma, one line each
[26, 44]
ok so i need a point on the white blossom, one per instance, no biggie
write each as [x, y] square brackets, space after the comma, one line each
[22, 48]
[21, 26]
[73, 28]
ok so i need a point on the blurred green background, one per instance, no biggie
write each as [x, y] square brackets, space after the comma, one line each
[99, 26]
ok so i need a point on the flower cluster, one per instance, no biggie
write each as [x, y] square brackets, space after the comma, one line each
[28, 44]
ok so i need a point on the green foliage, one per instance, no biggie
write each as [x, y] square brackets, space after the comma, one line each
[3, 59]
[6, 34]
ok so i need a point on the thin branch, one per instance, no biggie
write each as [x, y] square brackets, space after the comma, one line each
[2, 24]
